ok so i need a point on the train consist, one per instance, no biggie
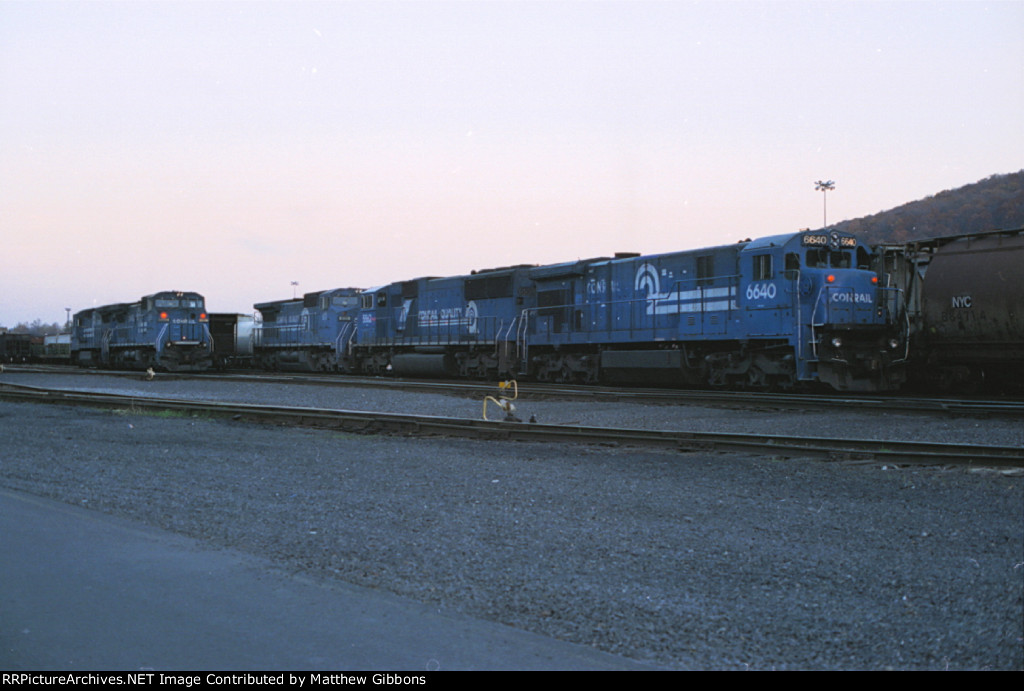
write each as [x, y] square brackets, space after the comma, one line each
[167, 331]
[806, 308]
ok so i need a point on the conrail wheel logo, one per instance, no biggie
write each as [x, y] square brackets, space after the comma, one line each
[471, 315]
[647, 277]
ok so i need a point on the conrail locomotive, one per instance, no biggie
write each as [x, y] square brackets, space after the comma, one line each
[166, 331]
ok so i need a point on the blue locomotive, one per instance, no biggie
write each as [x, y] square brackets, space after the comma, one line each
[767, 313]
[164, 331]
[314, 333]
[455, 326]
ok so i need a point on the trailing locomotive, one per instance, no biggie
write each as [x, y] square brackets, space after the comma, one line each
[963, 308]
[166, 331]
[314, 333]
[455, 326]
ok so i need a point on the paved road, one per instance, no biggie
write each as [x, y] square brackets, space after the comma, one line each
[81, 590]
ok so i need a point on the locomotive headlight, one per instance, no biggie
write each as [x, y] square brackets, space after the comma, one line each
[894, 343]
[837, 342]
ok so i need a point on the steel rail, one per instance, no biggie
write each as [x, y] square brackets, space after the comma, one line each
[734, 399]
[405, 424]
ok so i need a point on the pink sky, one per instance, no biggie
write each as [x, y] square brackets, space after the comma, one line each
[234, 147]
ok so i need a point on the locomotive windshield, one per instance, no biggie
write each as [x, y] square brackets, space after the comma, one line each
[173, 303]
[822, 259]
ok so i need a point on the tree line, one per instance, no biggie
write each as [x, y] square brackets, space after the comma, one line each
[36, 328]
[995, 203]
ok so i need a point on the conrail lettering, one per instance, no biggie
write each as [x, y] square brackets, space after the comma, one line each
[852, 297]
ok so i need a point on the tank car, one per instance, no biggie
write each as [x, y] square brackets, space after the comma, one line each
[963, 301]
[454, 326]
[166, 331]
[232, 336]
[773, 312]
[310, 334]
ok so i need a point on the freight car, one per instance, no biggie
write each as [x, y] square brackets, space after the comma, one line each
[15, 347]
[233, 336]
[164, 331]
[56, 349]
[963, 308]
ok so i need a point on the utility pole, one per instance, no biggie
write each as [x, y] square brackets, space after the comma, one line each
[825, 186]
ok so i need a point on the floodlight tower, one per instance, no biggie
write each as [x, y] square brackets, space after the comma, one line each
[825, 186]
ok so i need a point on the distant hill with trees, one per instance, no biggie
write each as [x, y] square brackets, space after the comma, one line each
[995, 203]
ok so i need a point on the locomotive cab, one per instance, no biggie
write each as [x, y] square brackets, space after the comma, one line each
[844, 325]
[181, 325]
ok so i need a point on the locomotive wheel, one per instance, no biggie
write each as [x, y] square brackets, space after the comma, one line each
[566, 375]
[757, 379]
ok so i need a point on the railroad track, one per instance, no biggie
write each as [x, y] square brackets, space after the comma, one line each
[901, 452]
[1010, 408]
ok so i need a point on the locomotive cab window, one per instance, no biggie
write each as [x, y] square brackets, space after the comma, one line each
[792, 265]
[763, 267]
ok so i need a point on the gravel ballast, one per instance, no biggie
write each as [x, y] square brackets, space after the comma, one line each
[680, 560]
[827, 422]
